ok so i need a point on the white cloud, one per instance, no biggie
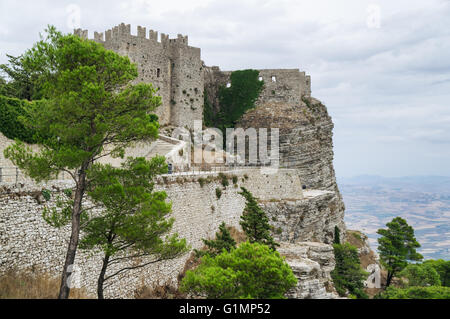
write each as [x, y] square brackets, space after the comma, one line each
[387, 88]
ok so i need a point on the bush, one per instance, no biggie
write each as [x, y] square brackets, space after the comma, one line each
[420, 275]
[10, 125]
[443, 269]
[433, 292]
[224, 180]
[251, 271]
[218, 193]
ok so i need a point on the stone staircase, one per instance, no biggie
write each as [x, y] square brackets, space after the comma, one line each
[161, 148]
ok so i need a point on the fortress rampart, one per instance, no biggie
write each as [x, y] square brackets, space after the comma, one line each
[179, 74]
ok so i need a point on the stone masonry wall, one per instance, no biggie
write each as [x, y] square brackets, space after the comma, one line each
[280, 85]
[27, 241]
[171, 65]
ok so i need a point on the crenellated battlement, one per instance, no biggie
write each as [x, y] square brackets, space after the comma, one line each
[123, 32]
[179, 74]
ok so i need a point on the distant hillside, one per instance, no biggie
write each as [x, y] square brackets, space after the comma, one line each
[424, 201]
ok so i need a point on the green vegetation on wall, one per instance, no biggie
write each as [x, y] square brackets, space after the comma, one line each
[235, 100]
[10, 125]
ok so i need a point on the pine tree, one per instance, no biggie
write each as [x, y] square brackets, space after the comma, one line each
[215, 247]
[255, 222]
[397, 245]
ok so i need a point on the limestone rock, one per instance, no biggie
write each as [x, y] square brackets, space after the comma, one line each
[312, 264]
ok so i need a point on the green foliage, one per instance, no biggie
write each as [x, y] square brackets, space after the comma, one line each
[218, 193]
[397, 245]
[224, 180]
[233, 101]
[68, 192]
[235, 179]
[241, 96]
[201, 181]
[22, 83]
[433, 292]
[251, 271]
[89, 103]
[135, 217]
[208, 112]
[46, 194]
[443, 269]
[11, 111]
[223, 241]
[61, 214]
[348, 276]
[337, 235]
[420, 275]
[255, 222]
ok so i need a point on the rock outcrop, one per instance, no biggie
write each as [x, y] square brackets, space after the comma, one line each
[312, 264]
[306, 144]
[312, 219]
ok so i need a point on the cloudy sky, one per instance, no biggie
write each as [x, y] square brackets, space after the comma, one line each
[381, 67]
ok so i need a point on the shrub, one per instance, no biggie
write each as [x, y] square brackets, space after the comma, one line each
[46, 194]
[420, 275]
[201, 181]
[433, 292]
[251, 271]
[218, 193]
[224, 180]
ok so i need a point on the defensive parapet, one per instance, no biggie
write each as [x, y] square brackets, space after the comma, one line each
[171, 65]
[123, 31]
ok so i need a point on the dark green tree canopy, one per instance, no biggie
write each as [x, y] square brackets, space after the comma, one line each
[420, 275]
[251, 271]
[348, 276]
[397, 246]
[89, 109]
[20, 82]
[89, 104]
[255, 222]
[134, 223]
[223, 241]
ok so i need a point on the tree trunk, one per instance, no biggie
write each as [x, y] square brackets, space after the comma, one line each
[389, 279]
[64, 290]
[101, 278]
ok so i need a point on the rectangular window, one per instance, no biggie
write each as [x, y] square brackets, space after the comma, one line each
[158, 73]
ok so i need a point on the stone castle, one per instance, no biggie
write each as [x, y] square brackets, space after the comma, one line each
[181, 77]
[304, 220]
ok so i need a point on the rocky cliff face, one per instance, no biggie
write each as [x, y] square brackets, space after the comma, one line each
[312, 264]
[312, 219]
[306, 144]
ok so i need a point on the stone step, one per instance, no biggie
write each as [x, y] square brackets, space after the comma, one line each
[161, 148]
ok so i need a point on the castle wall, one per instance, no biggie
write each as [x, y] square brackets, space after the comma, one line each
[280, 85]
[27, 241]
[171, 65]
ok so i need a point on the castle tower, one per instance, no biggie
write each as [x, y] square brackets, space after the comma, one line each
[171, 65]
